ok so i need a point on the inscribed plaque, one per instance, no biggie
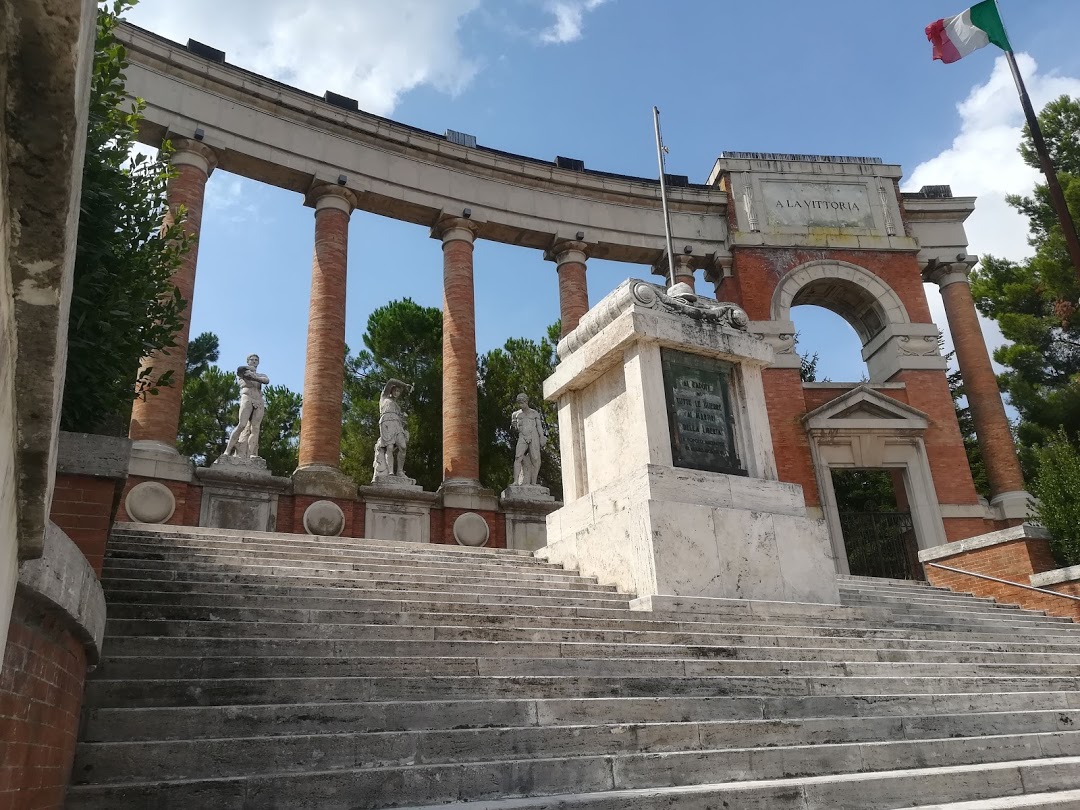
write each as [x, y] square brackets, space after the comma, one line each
[793, 204]
[699, 412]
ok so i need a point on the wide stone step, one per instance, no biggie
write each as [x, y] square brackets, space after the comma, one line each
[1065, 800]
[506, 663]
[236, 644]
[899, 605]
[358, 567]
[184, 622]
[149, 570]
[377, 787]
[367, 558]
[224, 604]
[198, 722]
[140, 692]
[167, 536]
[372, 596]
[188, 759]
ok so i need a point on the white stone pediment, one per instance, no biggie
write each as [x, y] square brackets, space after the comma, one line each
[863, 408]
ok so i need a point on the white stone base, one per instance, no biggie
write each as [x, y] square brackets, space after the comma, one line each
[1012, 505]
[239, 495]
[675, 532]
[400, 513]
[151, 459]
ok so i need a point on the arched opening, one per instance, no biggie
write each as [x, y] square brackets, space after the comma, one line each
[829, 346]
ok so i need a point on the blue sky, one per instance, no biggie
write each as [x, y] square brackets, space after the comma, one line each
[578, 78]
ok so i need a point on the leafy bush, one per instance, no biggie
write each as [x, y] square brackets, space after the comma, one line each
[1058, 491]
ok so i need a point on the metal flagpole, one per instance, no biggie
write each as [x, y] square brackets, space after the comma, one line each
[1057, 196]
[660, 150]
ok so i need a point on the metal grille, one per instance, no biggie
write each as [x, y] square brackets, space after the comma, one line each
[881, 544]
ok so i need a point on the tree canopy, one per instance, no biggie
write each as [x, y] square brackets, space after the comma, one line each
[403, 340]
[123, 305]
[1034, 301]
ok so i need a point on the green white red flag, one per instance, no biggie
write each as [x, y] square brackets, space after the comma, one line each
[955, 37]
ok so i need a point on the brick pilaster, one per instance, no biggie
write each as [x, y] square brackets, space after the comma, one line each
[324, 367]
[460, 444]
[570, 258]
[157, 418]
[980, 382]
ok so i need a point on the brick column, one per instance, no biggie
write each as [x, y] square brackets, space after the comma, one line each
[157, 418]
[983, 395]
[318, 472]
[684, 273]
[570, 258]
[460, 443]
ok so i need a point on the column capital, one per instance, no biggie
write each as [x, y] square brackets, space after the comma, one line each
[943, 274]
[455, 229]
[189, 152]
[326, 195]
[567, 250]
[719, 268]
[685, 264]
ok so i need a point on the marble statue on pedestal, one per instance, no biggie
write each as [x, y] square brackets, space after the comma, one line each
[529, 426]
[393, 437]
[244, 440]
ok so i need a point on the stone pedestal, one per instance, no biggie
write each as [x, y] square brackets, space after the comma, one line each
[668, 468]
[397, 509]
[239, 494]
[526, 508]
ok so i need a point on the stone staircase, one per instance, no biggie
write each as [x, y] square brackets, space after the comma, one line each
[272, 671]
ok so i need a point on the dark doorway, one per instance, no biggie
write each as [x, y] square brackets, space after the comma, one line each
[879, 535]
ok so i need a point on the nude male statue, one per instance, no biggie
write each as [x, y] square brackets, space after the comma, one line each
[531, 440]
[244, 440]
[393, 437]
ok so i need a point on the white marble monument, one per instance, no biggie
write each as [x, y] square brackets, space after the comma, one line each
[669, 479]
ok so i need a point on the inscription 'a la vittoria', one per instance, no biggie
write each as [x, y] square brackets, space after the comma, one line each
[832, 205]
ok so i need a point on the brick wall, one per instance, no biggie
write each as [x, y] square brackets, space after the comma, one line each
[442, 526]
[785, 403]
[41, 687]
[188, 501]
[1014, 562]
[83, 506]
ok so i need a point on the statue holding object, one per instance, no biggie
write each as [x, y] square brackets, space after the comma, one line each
[393, 438]
[244, 440]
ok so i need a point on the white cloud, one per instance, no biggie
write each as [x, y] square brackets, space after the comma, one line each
[983, 162]
[371, 50]
[569, 20]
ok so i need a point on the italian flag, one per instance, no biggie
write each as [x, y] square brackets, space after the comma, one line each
[955, 37]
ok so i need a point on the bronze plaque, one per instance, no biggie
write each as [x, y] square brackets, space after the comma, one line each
[699, 412]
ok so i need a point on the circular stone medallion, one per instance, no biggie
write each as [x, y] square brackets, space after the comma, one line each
[150, 502]
[325, 519]
[471, 530]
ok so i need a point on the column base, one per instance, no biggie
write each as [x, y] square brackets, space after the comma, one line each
[154, 459]
[465, 493]
[322, 481]
[1012, 505]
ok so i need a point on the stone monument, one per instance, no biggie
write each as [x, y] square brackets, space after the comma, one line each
[526, 503]
[669, 477]
[395, 507]
[238, 490]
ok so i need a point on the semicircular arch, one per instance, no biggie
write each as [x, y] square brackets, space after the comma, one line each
[852, 292]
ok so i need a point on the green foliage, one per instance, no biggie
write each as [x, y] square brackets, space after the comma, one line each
[207, 414]
[520, 366]
[123, 306]
[808, 365]
[1034, 302]
[864, 490]
[1058, 493]
[202, 351]
[279, 439]
[404, 341]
